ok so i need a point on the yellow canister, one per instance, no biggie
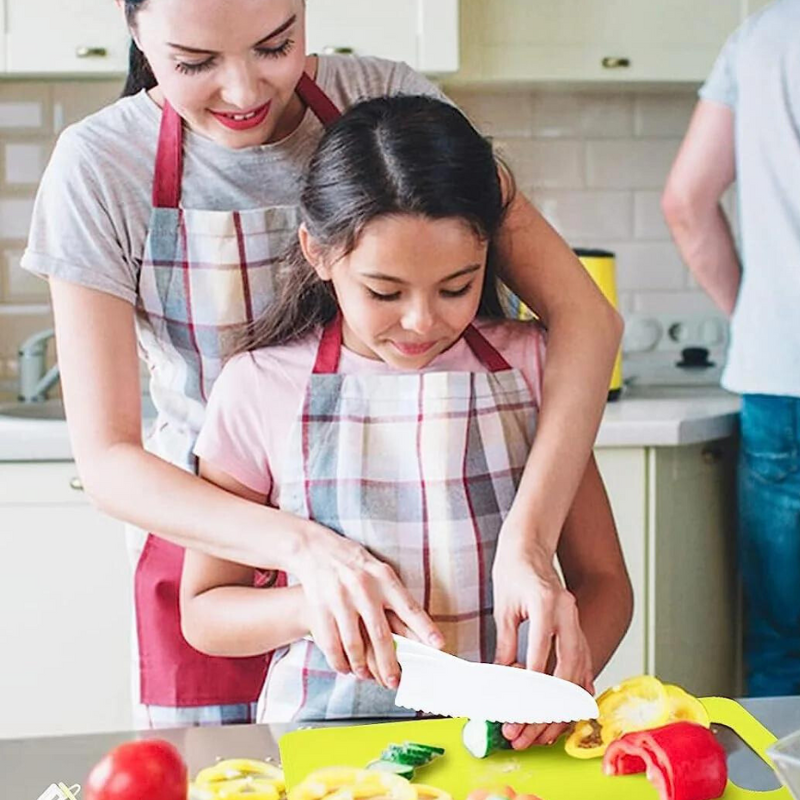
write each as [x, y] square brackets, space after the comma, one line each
[601, 265]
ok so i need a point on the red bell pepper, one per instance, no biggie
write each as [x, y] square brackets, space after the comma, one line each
[683, 760]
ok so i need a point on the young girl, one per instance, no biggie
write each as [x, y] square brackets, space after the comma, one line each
[384, 396]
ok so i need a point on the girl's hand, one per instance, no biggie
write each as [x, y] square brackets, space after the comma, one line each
[349, 594]
[522, 737]
[527, 586]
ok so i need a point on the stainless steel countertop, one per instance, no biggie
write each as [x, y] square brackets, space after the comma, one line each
[29, 766]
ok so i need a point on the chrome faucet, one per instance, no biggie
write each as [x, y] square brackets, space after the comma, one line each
[35, 380]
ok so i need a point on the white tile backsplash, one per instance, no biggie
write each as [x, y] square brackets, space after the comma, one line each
[663, 114]
[24, 163]
[15, 217]
[587, 217]
[648, 220]
[629, 164]
[556, 164]
[20, 115]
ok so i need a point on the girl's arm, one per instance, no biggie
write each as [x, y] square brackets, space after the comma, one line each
[346, 587]
[594, 569]
[222, 612]
[584, 333]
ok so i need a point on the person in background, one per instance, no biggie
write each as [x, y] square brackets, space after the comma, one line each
[746, 127]
[385, 396]
[158, 223]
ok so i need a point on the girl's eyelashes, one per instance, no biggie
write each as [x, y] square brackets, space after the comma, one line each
[262, 52]
[457, 292]
[383, 297]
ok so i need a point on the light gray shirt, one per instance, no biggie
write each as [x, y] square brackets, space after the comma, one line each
[758, 76]
[93, 207]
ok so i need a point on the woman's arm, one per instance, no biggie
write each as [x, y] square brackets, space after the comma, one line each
[583, 339]
[222, 612]
[345, 586]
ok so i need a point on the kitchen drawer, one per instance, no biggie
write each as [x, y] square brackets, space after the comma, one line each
[41, 483]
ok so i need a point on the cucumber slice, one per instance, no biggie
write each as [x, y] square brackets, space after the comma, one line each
[381, 765]
[482, 738]
[402, 755]
[429, 748]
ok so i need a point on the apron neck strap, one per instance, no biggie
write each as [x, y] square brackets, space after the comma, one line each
[169, 160]
[169, 157]
[330, 349]
[484, 351]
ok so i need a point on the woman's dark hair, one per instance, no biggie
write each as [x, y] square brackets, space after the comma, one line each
[140, 76]
[387, 156]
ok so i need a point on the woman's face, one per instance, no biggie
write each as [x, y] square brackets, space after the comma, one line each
[228, 67]
[408, 289]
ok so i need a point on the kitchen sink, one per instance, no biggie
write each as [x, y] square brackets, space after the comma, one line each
[45, 410]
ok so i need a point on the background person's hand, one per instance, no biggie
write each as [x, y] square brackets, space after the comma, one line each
[349, 594]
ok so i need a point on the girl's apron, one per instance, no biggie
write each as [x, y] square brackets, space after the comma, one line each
[203, 273]
[420, 468]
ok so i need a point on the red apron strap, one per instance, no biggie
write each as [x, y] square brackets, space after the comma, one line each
[330, 348]
[484, 351]
[169, 160]
[310, 93]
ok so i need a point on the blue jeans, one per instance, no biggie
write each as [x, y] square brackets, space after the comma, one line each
[769, 542]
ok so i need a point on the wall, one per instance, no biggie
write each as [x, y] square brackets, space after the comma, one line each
[32, 113]
[594, 163]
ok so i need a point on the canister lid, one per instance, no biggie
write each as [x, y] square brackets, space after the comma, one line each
[590, 252]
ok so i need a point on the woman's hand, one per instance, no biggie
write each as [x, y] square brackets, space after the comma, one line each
[350, 593]
[527, 586]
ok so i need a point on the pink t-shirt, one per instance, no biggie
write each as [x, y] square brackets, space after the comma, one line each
[256, 399]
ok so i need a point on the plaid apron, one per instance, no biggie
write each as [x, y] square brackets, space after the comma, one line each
[203, 273]
[421, 469]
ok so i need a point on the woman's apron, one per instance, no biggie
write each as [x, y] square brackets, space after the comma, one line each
[421, 468]
[203, 273]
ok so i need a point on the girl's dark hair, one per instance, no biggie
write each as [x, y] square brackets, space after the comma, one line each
[140, 76]
[390, 155]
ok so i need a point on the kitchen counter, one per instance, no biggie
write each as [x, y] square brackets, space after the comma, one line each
[30, 765]
[643, 417]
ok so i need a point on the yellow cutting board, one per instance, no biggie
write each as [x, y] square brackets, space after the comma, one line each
[545, 771]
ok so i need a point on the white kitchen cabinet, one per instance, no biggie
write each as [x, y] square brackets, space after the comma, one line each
[675, 515]
[66, 612]
[74, 37]
[423, 33]
[2, 35]
[592, 40]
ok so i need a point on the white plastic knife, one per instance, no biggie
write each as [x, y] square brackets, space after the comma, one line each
[439, 683]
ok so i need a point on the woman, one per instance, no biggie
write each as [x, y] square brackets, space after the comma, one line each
[157, 222]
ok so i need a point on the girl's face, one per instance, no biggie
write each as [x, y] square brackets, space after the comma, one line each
[409, 288]
[228, 67]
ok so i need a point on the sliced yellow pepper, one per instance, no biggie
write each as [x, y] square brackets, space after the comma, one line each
[233, 768]
[683, 706]
[637, 704]
[586, 740]
[350, 783]
[425, 791]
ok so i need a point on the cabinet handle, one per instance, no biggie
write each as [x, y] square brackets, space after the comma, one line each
[338, 51]
[614, 62]
[91, 52]
[76, 483]
[712, 455]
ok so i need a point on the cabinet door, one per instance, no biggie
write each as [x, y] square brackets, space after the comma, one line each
[76, 36]
[593, 39]
[65, 622]
[624, 474]
[423, 33]
[694, 628]
[385, 28]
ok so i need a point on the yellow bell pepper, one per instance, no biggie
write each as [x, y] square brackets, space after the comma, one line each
[683, 706]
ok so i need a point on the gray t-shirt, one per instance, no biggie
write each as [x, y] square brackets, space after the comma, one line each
[757, 75]
[93, 206]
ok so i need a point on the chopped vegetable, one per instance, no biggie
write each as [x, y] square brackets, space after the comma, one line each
[240, 779]
[425, 792]
[634, 705]
[350, 783]
[482, 738]
[683, 706]
[586, 740]
[683, 760]
[382, 765]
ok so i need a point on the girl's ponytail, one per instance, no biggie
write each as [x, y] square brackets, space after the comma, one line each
[140, 76]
